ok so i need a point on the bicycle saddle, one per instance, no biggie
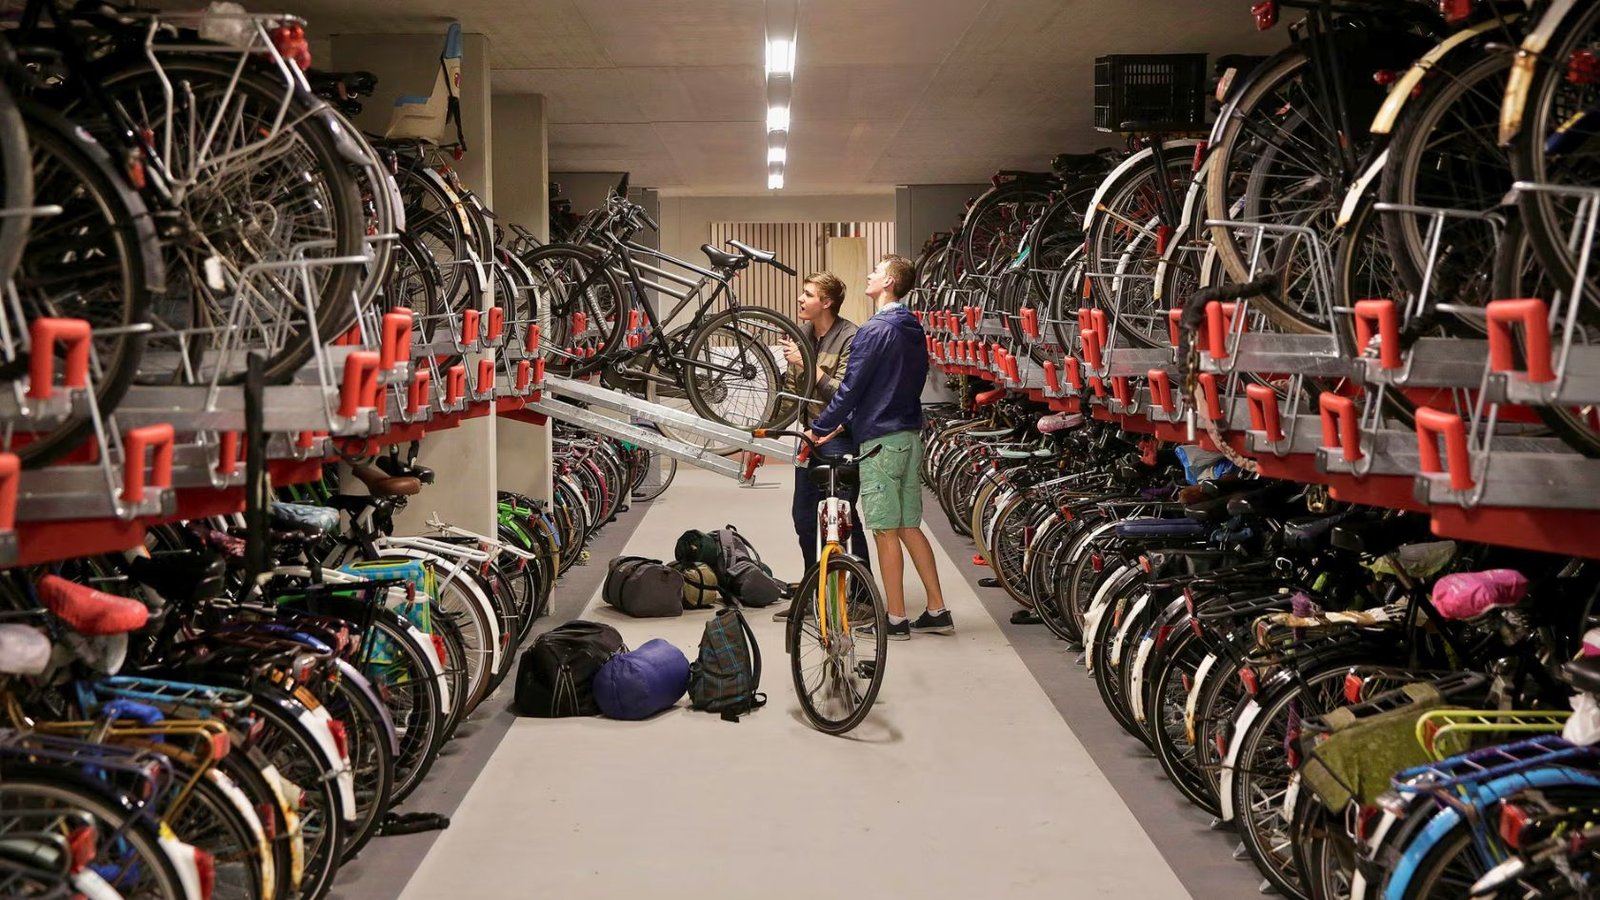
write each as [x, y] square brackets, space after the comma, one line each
[183, 576]
[382, 484]
[1582, 673]
[341, 84]
[1377, 536]
[1059, 422]
[846, 473]
[1079, 163]
[1311, 533]
[1274, 501]
[396, 469]
[90, 612]
[304, 517]
[724, 260]
[757, 255]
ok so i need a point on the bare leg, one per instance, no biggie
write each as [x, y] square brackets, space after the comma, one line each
[927, 569]
[891, 570]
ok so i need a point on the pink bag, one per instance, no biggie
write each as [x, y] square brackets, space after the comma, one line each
[1468, 594]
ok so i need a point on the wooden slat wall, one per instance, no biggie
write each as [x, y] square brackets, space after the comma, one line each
[803, 247]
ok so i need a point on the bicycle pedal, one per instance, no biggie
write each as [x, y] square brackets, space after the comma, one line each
[1241, 852]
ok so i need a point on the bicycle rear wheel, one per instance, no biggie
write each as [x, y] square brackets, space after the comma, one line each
[837, 677]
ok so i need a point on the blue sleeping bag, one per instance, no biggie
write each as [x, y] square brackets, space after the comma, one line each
[639, 684]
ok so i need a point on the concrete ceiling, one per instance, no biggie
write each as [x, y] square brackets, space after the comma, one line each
[886, 92]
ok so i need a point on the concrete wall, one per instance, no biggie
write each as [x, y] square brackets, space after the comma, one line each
[922, 209]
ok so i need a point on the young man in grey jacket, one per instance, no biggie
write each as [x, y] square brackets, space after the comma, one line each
[881, 399]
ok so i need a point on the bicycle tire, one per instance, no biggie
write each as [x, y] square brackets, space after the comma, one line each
[323, 174]
[298, 758]
[154, 869]
[803, 612]
[751, 334]
[559, 270]
[407, 676]
[16, 177]
[69, 169]
[1173, 682]
[371, 760]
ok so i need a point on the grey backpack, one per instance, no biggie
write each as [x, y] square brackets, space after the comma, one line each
[740, 572]
[643, 588]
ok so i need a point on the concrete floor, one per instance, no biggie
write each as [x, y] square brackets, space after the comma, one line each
[965, 781]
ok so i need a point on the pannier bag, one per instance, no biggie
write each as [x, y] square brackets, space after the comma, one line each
[726, 677]
[1464, 595]
[555, 676]
[643, 588]
[740, 572]
[639, 684]
[700, 590]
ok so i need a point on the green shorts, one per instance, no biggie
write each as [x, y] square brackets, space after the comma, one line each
[891, 492]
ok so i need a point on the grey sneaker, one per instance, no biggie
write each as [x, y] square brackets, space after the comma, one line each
[934, 623]
[900, 632]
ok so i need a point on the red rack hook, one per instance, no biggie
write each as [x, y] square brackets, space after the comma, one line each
[1534, 317]
[305, 439]
[228, 453]
[1161, 390]
[1052, 381]
[1208, 388]
[1122, 390]
[973, 312]
[1264, 415]
[45, 335]
[531, 342]
[1012, 369]
[469, 327]
[524, 375]
[1030, 322]
[538, 372]
[983, 354]
[455, 384]
[360, 388]
[988, 397]
[1174, 316]
[1341, 425]
[417, 393]
[1091, 347]
[1384, 315]
[485, 383]
[10, 480]
[1074, 370]
[395, 344]
[134, 445]
[1219, 322]
[1433, 424]
[497, 323]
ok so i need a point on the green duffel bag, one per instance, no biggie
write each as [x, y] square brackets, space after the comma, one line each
[700, 590]
[696, 546]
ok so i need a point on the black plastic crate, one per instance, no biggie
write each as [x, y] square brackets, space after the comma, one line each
[1163, 90]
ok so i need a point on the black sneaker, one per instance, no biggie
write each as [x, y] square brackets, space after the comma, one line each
[900, 631]
[934, 623]
[782, 615]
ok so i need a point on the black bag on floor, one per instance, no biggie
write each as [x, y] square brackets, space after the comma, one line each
[555, 676]
[740, 572]
[726, 677]
[643, 588]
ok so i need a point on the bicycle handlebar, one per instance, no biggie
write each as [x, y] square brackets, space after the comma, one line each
[810, 445]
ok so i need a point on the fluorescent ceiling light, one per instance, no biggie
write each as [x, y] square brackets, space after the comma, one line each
[775, 181]
[777, 155]
[777, 118]
[780, 57]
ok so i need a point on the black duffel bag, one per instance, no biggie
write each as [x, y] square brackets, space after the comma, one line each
[555, 676]
[643, 587]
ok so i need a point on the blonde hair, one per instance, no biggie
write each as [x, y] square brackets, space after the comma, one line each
[829, 288]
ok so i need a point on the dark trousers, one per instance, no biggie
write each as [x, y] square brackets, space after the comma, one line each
[806, 497]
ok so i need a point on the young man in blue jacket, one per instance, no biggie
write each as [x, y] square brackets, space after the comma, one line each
[881, 398]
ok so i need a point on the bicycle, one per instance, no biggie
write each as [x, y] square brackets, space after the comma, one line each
[838, 610]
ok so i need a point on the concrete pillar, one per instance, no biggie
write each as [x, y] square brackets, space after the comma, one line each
[463, 458]
[521, 137]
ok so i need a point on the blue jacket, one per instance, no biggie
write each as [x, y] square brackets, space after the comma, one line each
[882, 389]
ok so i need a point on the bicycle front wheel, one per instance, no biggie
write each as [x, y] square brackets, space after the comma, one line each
[734, 373]
[837, 653]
